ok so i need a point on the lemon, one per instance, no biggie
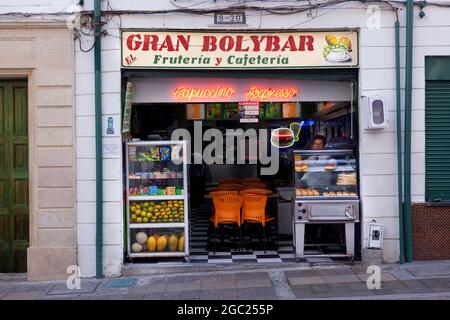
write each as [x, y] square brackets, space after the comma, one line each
[146, 204]
[138, 212]
[145, 220]
[133, 217]
[138, 219]
[133, 209]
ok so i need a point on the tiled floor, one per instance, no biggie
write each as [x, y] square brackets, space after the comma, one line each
[227, 252]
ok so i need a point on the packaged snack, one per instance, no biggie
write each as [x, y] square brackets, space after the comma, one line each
[164, 153]
[153, 190]
[171, 191]
[154, 153]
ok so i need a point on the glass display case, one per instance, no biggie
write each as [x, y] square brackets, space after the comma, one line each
[157, 199]
[325, 174]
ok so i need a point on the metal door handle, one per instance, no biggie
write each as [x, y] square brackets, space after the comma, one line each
[347, 208]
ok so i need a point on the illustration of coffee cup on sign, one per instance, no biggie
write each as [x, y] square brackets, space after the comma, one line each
[337, 50]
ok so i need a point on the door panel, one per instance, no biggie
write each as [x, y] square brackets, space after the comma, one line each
[14, 194]
[20, 157]
[20, 112]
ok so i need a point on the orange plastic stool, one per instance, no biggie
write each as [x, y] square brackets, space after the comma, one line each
[227, 211]
[254, 211]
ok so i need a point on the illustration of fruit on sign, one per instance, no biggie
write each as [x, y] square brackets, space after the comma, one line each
[337, 50]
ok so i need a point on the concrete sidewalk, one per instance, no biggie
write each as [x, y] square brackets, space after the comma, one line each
[422, 280]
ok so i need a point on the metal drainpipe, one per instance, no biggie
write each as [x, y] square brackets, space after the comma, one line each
[98, 140]
[399, 140]
[408, 100]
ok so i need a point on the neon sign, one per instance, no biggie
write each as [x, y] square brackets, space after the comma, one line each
[220, 92]
[183, 93]
[286, 137]
[258, 94]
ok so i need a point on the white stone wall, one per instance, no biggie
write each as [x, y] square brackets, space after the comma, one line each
[377, 76]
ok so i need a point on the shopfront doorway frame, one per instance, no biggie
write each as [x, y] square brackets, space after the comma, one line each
[329, 74]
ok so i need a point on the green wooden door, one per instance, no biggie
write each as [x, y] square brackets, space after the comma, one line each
[14, 219]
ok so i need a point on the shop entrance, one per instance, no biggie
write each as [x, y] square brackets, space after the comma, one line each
[330, 121]
[14, 210]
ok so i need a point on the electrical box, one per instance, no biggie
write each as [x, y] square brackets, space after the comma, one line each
[377, 112]
[375, 236]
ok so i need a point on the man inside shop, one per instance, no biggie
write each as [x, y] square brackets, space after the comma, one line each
[320, 233]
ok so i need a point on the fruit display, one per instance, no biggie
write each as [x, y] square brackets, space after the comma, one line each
[156, 212]
[157, 201]
[158, 241]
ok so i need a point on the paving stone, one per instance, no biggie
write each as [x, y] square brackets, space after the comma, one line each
[320, 288]
[416, 286]
[184, 286]
[326, 272]
[246, 293]
[300, 273]
[306, 280]
[5, 288]
[382, 292]
[86, 287]
[254, 283]
[227, 293]
[344, 271]
[357, 286]
[31, 287]
[303, 294]
[153, 296]
[171, 296]
[436, 285]
[208, 294]
[397, 287]
[340, 279]
[433, 269]
[26, 295]
[446, 281]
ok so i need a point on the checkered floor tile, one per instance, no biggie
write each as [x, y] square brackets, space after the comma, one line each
[227, 252]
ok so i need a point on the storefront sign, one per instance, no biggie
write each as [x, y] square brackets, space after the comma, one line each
[248, 111]
[204, 94]
[221, 50]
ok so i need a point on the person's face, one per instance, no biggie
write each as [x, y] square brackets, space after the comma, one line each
[318, 144]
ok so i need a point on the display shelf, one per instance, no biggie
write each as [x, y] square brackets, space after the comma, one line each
[154, 254]
[156, 225]
[149, 198]
[322, 169]
[310, 173]
[177, 162]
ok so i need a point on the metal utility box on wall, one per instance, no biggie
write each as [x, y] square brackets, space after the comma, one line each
[377, 112]
[375, 236]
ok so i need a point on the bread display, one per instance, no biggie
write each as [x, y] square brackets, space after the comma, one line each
[339, 194]
[346, 179]
[304, 192]
[301, 167]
